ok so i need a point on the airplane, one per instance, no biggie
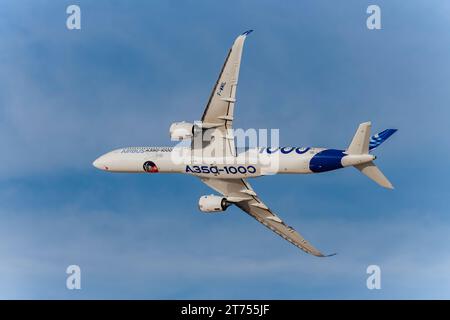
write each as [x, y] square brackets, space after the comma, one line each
[226, 169]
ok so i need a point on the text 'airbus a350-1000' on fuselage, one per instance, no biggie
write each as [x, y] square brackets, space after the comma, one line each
[213, 157]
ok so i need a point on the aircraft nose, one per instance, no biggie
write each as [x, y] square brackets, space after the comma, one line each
[100, 163]
[96, 163]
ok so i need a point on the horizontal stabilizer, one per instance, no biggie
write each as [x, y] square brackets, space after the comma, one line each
[360, 141]
[372, 171]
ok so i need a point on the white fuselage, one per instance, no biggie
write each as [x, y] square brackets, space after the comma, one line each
[250, 163]
[213, 157]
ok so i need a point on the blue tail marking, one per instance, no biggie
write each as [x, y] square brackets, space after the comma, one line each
[379, 138]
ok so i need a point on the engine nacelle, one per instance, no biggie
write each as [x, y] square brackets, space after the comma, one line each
[184, 130]
[212, 203]
[181, 130]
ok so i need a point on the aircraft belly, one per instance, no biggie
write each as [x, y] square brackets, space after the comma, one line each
[293, 164]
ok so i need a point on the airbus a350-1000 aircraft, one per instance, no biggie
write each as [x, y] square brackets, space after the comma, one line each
[226, 169]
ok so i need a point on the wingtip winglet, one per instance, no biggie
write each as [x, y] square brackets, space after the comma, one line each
[246, 33]
[329, 255]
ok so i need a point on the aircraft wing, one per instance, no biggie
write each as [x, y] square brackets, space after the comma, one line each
[242, 195]
[219, 110]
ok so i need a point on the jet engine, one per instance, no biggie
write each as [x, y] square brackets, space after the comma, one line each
[212, 203]
[182, 130]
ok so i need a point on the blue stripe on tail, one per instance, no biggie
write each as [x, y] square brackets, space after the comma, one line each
[379, 138]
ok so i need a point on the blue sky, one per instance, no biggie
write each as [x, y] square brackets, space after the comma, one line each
[311, 68]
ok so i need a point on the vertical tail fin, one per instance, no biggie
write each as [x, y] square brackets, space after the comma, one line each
[361, 144]
[360, 141]
[379, 138]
